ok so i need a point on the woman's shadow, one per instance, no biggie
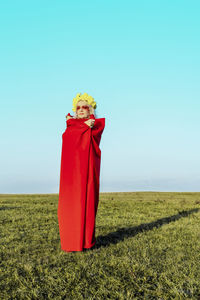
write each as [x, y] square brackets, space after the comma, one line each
[122, 233]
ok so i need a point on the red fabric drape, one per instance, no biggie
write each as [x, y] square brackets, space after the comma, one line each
[79, 184]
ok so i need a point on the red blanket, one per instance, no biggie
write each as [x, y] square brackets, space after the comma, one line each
[79, 184]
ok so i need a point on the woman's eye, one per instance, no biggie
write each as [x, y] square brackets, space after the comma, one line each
[84, 107]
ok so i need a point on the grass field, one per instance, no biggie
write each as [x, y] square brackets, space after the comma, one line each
[148, 247]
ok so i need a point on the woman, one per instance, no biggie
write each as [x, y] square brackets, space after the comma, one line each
[79, 175]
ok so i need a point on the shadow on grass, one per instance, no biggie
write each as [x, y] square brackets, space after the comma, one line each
[9, 207]
[122, 233]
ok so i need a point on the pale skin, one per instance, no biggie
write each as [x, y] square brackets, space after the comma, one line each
[83, 113]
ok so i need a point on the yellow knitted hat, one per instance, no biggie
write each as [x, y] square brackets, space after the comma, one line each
[85, 97]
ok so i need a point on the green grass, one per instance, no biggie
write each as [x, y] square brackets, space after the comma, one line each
[148, 247]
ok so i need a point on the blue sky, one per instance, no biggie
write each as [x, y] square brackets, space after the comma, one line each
[138, 59]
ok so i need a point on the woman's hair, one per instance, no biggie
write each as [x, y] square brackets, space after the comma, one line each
[85, 97]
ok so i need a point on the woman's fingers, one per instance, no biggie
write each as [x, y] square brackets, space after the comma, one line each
[90, 123]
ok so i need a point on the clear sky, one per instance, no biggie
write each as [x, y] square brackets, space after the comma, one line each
[138, 59]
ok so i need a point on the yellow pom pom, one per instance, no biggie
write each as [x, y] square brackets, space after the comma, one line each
[85, 97]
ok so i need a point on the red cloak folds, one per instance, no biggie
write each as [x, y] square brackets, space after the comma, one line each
[79, 184]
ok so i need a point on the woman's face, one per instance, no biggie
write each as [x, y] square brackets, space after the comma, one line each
[82, 109]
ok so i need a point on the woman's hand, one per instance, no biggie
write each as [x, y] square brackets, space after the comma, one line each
[68, 116]
[90, 122]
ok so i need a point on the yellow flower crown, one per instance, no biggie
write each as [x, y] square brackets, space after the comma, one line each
[85, 97]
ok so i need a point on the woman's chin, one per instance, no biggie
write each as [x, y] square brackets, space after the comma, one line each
[82, 117]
